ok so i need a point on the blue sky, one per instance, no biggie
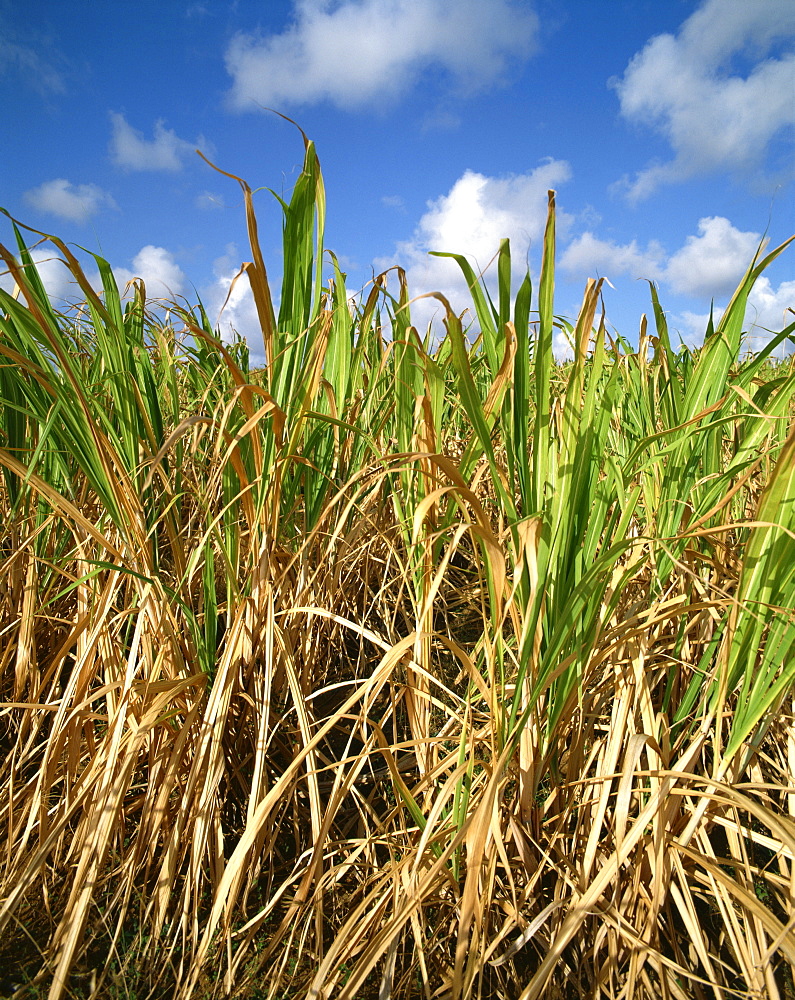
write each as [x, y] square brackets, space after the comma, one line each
[665, 126]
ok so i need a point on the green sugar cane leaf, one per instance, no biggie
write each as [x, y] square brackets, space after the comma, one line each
[671, 399]
[72, 265]
[579, 455]
[210, 609]
[33, 286]
[767, 585]
[112, 299]
[750, 371]
[579, 404]
[722, 347]
[543, 365]
[676, 437]
[504, 296]
[518, 439]
[488, 411]
[470, 398]
[304, 220]
[338, 369]
[772, 681]
[487, 316]
[405, 395]
[42, 445]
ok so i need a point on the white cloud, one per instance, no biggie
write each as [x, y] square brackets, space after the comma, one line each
[561, 345]
[162, 276]
[769, 308]
[233, 312]
[709, 265]
[769, 311]
[358, 52]
[471, 219]
[712, 263]
[75, 202]
[691, 326]
[589, 256]
[129, 148]
[683, 86]
[56, 277]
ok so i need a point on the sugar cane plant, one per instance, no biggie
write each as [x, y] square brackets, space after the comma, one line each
[408, 664]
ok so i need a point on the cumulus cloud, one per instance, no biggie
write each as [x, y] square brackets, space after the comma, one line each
[471, 219]
[708, 265]
[772, 308]
[712, 263]
[162, 276]
[589, 256]
[129, 148]
[715, 119]
[358, 52]
[56, 277]
[234, 312]
[769, 311]
[74, 202]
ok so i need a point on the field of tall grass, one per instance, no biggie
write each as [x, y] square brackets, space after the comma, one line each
[406, 666]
